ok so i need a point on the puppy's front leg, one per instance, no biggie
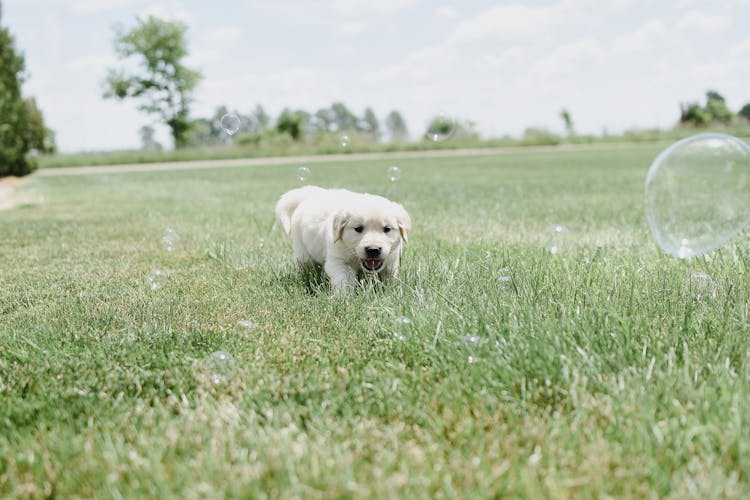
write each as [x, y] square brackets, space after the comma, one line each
[343, 278]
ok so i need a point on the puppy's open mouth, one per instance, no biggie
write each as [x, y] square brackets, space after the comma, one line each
[372, 265]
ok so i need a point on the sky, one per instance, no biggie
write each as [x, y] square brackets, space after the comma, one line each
[505, 65]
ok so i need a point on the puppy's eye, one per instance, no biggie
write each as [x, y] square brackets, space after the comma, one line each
[386, 229]
[359, 229]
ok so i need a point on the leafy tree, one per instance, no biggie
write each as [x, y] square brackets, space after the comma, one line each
[745, 111]
[693, 113]
[715, 110]
[396, 126]
[290, 123]
[343, 119]
[261, 117]
[22, 126]
[163, 84]
[568, 120]
[716, 106]
[148, 139]
[369, 125]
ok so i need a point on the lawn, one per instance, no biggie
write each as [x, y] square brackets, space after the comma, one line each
[604, 370]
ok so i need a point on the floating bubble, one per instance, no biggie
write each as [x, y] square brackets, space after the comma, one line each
[401, 324]
[156, 279]
[440, 128]
[702, 286]
[393, 173]
[344, 140]
[245, 325]
[556, 239]
[472, 341]
[303, 173]
[505, 275]
[697, 193]
[230, 123]
[170, 240]
[218, 367]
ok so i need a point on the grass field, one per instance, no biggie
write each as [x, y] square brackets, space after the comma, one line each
[601, 371]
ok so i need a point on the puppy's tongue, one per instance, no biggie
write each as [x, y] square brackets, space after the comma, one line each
[372, 264]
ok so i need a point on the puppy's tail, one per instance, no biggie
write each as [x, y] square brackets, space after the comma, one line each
[289, 202]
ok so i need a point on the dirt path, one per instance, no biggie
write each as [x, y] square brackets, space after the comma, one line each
[287, 160]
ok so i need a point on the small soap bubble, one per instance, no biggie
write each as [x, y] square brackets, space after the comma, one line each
[344, 140]
[393, 174]
[505, 275]
[471, 360]
[556, 239]
[156, 279]
[170, 239]
[230, 123]
[400, 325]
[472, 340]
[303, 173]
[440, 128]
[218, 367]
[702, 286]
[697, 193]
[245, 325]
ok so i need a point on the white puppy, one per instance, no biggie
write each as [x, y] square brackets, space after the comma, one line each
[345, 232]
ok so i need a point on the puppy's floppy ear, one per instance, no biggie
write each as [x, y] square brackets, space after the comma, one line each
[338, 223]
[403, 220]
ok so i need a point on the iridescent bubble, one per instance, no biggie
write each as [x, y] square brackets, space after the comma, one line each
[401, 325]
[556, 239]
[230, 123]
[697, 193]
[218, 367]
[156, 279]
[245, 325]
[344, 140]
[303, 173]
[170, 240]
[505, 276]
[440, 128]
[702, 286]
[393, 173]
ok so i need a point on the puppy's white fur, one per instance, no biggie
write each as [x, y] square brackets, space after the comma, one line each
[345, 232]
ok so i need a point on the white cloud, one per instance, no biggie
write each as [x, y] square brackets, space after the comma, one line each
[223, 34]
[445, 12]
[351, 29]
[569, 58]
[370, 5]
[640, 40]
[742, 49]
[514, 22]
[87, 6]
[91, 64]
[700, 21]
[173, 11]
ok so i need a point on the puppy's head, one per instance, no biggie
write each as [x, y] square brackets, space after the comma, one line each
[372, 232]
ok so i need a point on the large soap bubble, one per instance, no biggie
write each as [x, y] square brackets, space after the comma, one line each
[698, 193]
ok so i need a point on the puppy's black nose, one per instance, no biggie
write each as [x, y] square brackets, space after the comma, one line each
[372, 251]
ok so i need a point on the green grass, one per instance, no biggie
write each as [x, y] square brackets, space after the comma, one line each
[591, 373]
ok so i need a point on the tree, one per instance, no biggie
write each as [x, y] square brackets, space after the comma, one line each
[22, 128]
[148, 139]
[396, 126]
[745, 112]
[568, 120]
[369, 125]
[343, 119]
[717, 108]
[163, 84]
[290, 123]
[261, 117]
